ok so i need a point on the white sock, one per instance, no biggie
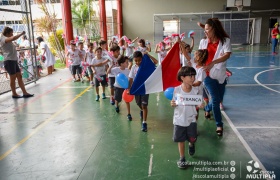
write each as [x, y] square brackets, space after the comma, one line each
[144, 122]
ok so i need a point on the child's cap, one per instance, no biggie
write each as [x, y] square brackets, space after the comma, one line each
[72, 42]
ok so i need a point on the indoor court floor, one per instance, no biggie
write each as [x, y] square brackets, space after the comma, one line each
[63, 133]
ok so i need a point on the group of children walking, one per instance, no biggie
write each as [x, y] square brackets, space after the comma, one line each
[102, 64]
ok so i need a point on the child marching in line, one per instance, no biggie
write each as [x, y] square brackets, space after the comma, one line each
[141, 100]
[89, 56]
[98, 64]
[105, 53]
[82, 57]
[114, 63]
[123, 64]
[142, 46]
[75, 60]
[184, 118]
[129, 49]
[161, 50]
[200, 57]
[185, 52]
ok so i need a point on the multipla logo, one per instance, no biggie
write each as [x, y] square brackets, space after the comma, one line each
[255, 172]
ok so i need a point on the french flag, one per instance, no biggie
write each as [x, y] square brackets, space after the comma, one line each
[151, 80]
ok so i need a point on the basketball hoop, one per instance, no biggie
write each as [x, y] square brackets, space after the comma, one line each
[239, 8]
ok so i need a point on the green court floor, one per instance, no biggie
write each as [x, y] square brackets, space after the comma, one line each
[63, 133]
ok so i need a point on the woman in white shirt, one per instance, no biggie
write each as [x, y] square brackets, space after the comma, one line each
[218, 44]
[11, 61]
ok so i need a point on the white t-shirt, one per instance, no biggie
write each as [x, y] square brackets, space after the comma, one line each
[50, 59]
[117, 70]
[83, 53]
[200, 76]
[133, 71]
[74, 57]
[129, 51]
[99, 70]
[218, 71]
[89, 57]
[161, 55]
[115, 64]
[24, 43]
[184, 115]
[183, 60]
[141, 49]
[8, 49]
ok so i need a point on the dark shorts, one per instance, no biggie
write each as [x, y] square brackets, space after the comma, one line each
[103, 82]
[11, 67]
[112, 81]
[182, 134]
[142, 100]
[118, 94]
[76, 69]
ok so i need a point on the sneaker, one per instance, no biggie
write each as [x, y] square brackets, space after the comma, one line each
[103, 96]
[117, 109]
[97, 98]
[79, 79]
[222, 107]
[82, 80]
[141, 115]
[112, 101]
[275, 53]
[92, 83]
[129, 117]
[182, 164]
[191, 150]
[144, 127]
[74, 80]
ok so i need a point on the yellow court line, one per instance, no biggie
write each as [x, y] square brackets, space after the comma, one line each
[41, 125]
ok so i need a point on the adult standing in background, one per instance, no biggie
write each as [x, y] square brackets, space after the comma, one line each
[11, 61]
[218, 44]
[45, 51]
[274, 40]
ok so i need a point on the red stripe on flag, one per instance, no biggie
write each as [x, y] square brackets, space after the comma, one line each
[170, 67]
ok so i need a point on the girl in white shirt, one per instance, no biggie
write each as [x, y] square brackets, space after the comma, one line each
[142, 46]
[50, 59]
[161, 50]
[89, 56]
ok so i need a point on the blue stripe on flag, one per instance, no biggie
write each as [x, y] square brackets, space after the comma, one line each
[147, 67]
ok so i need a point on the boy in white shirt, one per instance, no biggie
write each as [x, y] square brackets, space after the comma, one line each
[184, 118]
[114, 63]
[89, 56]
[75, 56]
[123, 64]
[98, 64]
[141, 100]
[82, 57]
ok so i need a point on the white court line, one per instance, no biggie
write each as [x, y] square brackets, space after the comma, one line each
[73, 87]
[252, 84]
[251, 67]
[256, 79]
[150, 165]
[256, 127]
[247, 147]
